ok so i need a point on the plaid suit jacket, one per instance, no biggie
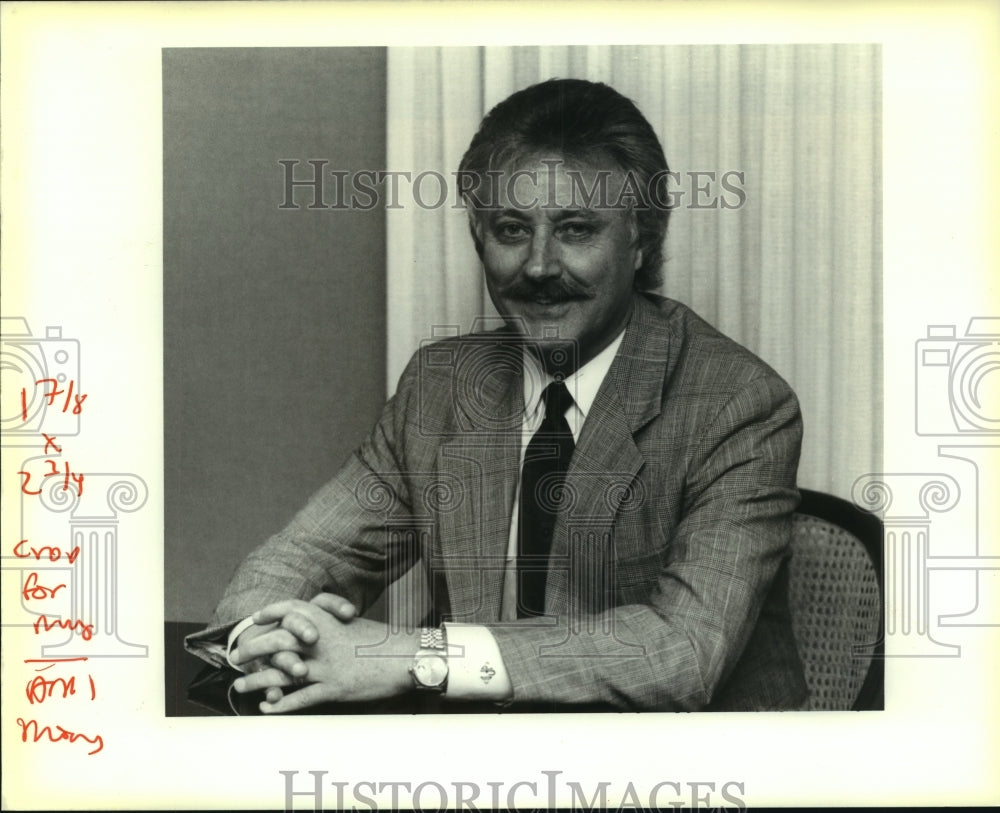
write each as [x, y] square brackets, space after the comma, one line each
[668, 574]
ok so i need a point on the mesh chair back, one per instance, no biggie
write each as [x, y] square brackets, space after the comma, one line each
[836, 605]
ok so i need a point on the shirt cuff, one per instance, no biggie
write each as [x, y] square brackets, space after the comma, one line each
[476, 669]
[234, 633]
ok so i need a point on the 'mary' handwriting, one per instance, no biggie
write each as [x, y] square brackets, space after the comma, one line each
[70, 736]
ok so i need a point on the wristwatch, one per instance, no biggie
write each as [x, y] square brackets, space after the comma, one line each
[429, 669]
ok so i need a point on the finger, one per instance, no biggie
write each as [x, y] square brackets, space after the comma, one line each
[255, 665]
[290, 663]
[265, 679]
[253, 631]
[311, 695]
[278, 610]
[301, 627]
[265, 645]
[339, 607]
[274, 694]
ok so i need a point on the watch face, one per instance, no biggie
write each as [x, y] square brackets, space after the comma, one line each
[430, 670]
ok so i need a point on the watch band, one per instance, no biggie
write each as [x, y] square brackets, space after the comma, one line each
[432, 638]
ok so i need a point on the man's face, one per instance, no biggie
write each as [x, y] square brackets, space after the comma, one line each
[556, 266]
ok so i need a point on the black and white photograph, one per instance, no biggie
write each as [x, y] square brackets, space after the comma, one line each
[601, 340]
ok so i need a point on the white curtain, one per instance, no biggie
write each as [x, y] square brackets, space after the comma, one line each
[794, 273]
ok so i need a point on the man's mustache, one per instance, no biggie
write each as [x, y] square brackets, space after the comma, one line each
[549, 291]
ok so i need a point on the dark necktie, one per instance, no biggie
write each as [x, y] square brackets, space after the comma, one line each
[545, 463]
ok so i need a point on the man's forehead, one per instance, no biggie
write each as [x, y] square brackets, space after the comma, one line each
[555, 182]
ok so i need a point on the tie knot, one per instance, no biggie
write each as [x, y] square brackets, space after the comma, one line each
[557, 400]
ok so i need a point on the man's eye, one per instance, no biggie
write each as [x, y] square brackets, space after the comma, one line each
[511, 231]
[577, 229]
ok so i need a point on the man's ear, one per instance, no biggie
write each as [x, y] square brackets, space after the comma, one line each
[633, 228]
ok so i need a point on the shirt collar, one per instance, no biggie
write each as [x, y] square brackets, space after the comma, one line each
[583, 384]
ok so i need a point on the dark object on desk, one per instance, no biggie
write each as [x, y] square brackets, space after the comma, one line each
[211, 690]
[837, 603]
[182, 672]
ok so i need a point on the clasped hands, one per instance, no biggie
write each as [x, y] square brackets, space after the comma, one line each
[323, 647]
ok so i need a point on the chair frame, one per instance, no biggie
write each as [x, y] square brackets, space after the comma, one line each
[868, 529]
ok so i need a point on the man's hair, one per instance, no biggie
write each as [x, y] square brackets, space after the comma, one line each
[585, 122]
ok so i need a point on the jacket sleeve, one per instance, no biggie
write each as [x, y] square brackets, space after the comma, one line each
[340, 542]
[676, 649]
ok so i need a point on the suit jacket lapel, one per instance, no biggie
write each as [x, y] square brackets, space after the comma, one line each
[481, 454]
[643, 363]
[606, 462]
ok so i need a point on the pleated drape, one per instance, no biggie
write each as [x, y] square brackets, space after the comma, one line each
[793, 271]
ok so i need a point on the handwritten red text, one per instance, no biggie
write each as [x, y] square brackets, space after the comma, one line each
[67, 475]
[53, 554]
[33, 590]
[40, 688]
[37, 733]
[86, 630]
[72, 401]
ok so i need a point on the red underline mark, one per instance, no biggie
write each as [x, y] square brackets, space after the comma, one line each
[53, 660]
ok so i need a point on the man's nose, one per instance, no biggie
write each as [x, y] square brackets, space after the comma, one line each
[543, 261]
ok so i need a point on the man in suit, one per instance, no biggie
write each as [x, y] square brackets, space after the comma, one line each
[597, 495]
